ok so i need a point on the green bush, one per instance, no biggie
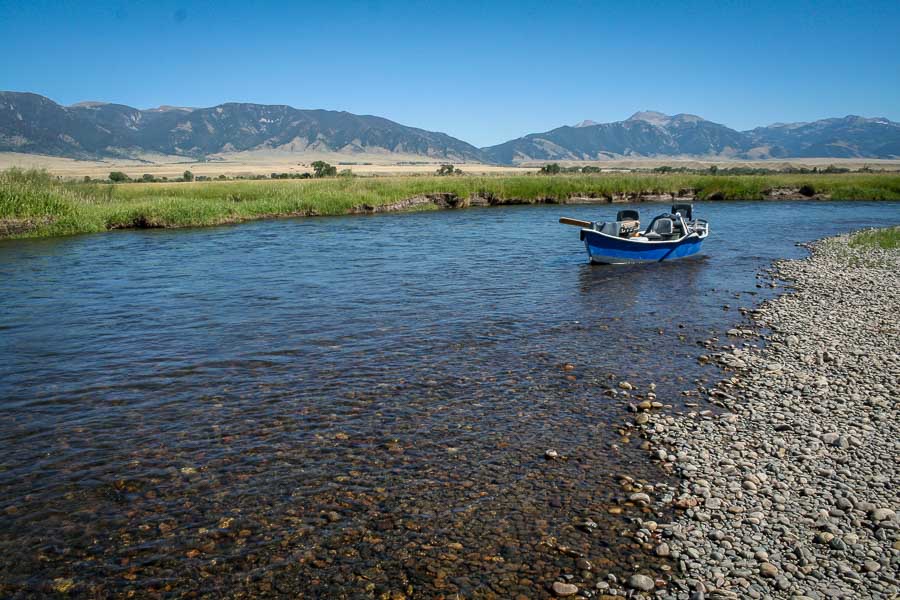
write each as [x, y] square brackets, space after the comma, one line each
[807, 190]
[448, 170]
[551, 169]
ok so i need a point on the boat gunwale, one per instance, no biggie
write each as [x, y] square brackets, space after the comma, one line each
[645, 242]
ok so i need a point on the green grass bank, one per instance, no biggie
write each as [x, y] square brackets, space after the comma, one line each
[36, 204]
[888, 238]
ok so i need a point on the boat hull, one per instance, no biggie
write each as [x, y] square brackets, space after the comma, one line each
[606, 249]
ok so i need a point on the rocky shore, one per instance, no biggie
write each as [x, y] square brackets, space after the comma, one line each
[790, 488]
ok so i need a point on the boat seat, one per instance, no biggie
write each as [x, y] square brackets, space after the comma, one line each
[619, 228]
[610, 228]
[662, 227]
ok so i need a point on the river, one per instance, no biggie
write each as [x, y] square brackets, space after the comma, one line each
[352, 406]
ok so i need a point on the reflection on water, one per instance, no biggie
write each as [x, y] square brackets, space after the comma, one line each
[347, 407]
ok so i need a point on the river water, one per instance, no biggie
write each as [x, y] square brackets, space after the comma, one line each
[355, 406]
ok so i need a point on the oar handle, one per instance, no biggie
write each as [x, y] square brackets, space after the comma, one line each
[575, 222]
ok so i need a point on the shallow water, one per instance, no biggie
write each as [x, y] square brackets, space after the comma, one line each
[343, 407]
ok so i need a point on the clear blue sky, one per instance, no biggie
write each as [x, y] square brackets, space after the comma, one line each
[483, 72]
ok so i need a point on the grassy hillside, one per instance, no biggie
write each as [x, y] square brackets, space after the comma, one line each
[34, 203]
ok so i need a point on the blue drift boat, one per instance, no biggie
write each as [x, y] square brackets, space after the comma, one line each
[669, 236]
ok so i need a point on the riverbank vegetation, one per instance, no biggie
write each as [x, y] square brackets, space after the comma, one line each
[887, 238]
[35, 203]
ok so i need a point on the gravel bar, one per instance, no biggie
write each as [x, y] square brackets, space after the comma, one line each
[791, 488]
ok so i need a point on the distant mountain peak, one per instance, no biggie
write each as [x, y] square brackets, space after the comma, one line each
[167, 108]
[688, 118]
[88, 104]
[587, 123]
[859, 119]
[663, 120]
[792, 125]
[651, 116]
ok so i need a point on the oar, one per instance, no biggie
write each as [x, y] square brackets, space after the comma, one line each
[575, 222]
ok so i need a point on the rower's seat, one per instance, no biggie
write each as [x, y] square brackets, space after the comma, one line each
[612, 228]
[662, 227]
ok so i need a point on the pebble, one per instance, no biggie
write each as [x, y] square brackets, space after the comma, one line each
[63, 585]
[640, 498]
[831, 438]
[563, 589]
[641, 582]
[882, 514]
[824, 537]
[713, 503]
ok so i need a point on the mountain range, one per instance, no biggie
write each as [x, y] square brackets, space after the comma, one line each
[35, 124]
[31, 123]
[653, 134]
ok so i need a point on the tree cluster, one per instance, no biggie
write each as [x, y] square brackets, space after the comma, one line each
[290, 176]
[716, 170]
[556, 169]
[323, 169]
[448, 170]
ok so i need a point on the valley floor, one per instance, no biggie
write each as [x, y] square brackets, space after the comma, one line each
[248, 164]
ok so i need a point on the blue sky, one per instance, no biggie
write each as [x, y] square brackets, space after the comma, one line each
[481, 71]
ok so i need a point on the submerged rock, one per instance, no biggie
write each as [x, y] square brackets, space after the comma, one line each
[562, 589]
[641, 582]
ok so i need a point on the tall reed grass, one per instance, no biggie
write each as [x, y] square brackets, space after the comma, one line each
[42, 205]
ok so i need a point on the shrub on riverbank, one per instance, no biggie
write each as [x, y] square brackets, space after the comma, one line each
[34, 203]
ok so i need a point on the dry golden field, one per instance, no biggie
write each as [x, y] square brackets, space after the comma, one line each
[242, 163]
[265, 163]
